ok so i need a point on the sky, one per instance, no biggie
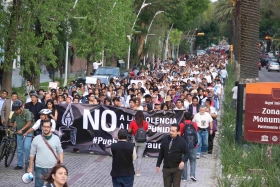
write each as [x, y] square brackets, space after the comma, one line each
[213, 0]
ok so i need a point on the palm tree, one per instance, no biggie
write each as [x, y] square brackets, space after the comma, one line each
[249, 52]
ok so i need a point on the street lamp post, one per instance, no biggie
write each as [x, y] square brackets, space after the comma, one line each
[144, 4]
[166, 43]
[158, 12]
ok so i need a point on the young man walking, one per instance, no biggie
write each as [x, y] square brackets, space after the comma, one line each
[22, 118]
[48, 151]
[173, 151]
[188, 131]
[124, 154]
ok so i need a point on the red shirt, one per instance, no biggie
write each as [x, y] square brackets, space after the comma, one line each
[182, 125]
[134, 127]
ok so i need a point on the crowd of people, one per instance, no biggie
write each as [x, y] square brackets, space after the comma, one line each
[195, 86]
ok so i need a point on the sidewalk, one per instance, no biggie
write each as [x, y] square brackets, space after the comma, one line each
[18, 81]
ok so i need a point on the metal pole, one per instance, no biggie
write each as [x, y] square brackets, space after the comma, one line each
[166, 43]
[128, 54]
[239, 113]
[158, 12]
[128, 58]
[66, 64]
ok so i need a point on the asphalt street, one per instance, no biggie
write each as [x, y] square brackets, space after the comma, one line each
[272, 76]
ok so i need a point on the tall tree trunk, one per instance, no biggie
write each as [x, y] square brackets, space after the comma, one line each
[36, 81]
[10, 46]
[249, 14]
[105, 58]
[89, 66]
[141, 45]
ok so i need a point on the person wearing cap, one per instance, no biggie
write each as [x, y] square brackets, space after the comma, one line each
[169, 102]
[157, 105]
[34, 106]
[30, 94]
[22, 118]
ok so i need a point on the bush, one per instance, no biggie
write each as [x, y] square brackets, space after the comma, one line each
[246, 165]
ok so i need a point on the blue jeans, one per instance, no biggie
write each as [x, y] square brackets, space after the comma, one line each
[123, 181]
[192, 159]
[39, 173]
[202, 141]
[23, 149]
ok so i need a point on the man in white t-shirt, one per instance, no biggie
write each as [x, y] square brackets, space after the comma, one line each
[234, 94]
[96, 65]
[204, 122]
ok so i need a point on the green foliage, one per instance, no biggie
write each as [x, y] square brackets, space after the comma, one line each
[103, 29]
[175, 37]
[238, 161]
[37, 38]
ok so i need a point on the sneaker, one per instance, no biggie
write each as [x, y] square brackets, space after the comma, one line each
[138, 175]
[193, 178]
[17, 168]
[197, 156]
[184, 180]
[203, 155]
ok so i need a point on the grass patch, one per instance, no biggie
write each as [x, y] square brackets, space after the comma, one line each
[246, 165]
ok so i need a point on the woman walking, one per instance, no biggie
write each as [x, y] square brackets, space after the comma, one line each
[139, 128]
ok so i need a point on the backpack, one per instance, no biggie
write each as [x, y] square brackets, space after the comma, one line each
[190, 135]
[140, 135]
[32, 116]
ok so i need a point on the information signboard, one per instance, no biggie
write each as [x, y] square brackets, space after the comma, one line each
[262, 113]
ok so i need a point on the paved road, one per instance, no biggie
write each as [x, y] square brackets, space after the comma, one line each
[86, 170]
[265, 76]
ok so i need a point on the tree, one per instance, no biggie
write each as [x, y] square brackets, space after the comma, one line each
[249, 21]
[175, 40]
[30, 30]
[178, 12]
[106, 27]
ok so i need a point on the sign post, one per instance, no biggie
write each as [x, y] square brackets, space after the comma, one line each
[231, 49]
[239, 113]
[262, 113]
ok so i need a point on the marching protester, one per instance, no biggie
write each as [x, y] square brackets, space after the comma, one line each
[22, 119]
[204, 121]
[37, 127]
[139, 128]
[123, 154]
[174, 152]
[48, 152]
[188, 131]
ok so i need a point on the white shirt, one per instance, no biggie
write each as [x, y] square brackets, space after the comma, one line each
[29, 100]
[176, 108]
[187, 104]
[234, 90]
[198, 118]
[96, 65]
[38, 123]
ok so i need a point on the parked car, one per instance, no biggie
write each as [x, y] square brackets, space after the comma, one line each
[264, 61]
[112, 72]
[103, 79]
[200, 52]
[271, 54]
[273, 66]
